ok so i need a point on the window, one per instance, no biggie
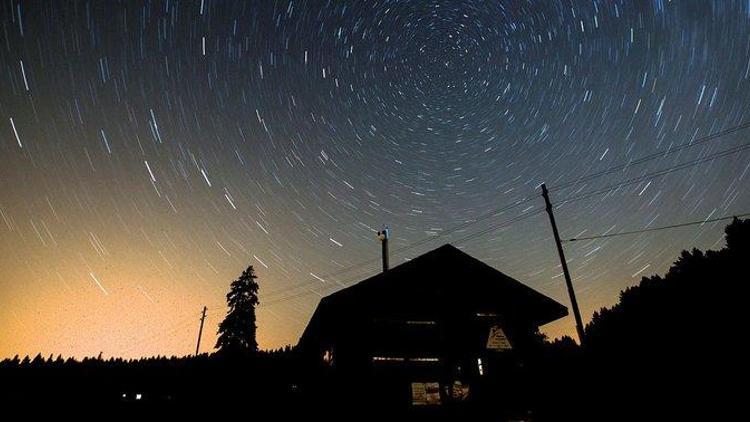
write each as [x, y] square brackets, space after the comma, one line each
[425, 393]
[421, 323]
[424, 359]
[427, 359]
[387, 359]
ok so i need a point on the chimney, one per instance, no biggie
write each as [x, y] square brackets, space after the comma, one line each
[383, 235]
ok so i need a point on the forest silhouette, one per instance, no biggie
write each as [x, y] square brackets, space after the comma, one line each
[670, 347]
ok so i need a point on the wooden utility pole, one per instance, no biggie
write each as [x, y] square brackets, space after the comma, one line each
[571, 292]
[200, 332]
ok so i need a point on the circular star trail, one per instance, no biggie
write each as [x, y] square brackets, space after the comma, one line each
[150, 151]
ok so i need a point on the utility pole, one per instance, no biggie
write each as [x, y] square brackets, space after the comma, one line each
[200, 332]
[568, 282]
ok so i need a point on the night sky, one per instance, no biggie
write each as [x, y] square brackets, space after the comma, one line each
[150, 151]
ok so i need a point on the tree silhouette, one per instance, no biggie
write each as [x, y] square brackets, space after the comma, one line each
[669, 349]
[699, 297]
[237, 331]
[738, 236]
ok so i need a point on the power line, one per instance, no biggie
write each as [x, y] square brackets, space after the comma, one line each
[167, 331]
[653, 229]
[493, 213]
[646, 158]
[497, 227]
[458, 241]
[219, 309]
[497, 211]
[658, 173]
[516, 203]
[652, 175]
[407, 247]
[489, 230]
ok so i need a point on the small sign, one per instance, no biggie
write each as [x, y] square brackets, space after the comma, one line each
[425, 393]
[497, 339]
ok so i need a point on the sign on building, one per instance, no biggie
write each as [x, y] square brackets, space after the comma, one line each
[497, 339]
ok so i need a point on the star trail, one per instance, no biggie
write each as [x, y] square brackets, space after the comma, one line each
[150, 151]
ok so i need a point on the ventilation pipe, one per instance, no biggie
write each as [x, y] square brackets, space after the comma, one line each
[383, 235]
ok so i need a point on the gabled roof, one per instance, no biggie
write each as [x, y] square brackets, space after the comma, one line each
[444, 278]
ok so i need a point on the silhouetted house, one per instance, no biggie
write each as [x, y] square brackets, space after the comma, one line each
[428, 329]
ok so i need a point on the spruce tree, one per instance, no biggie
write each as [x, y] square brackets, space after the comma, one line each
[237, 331]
